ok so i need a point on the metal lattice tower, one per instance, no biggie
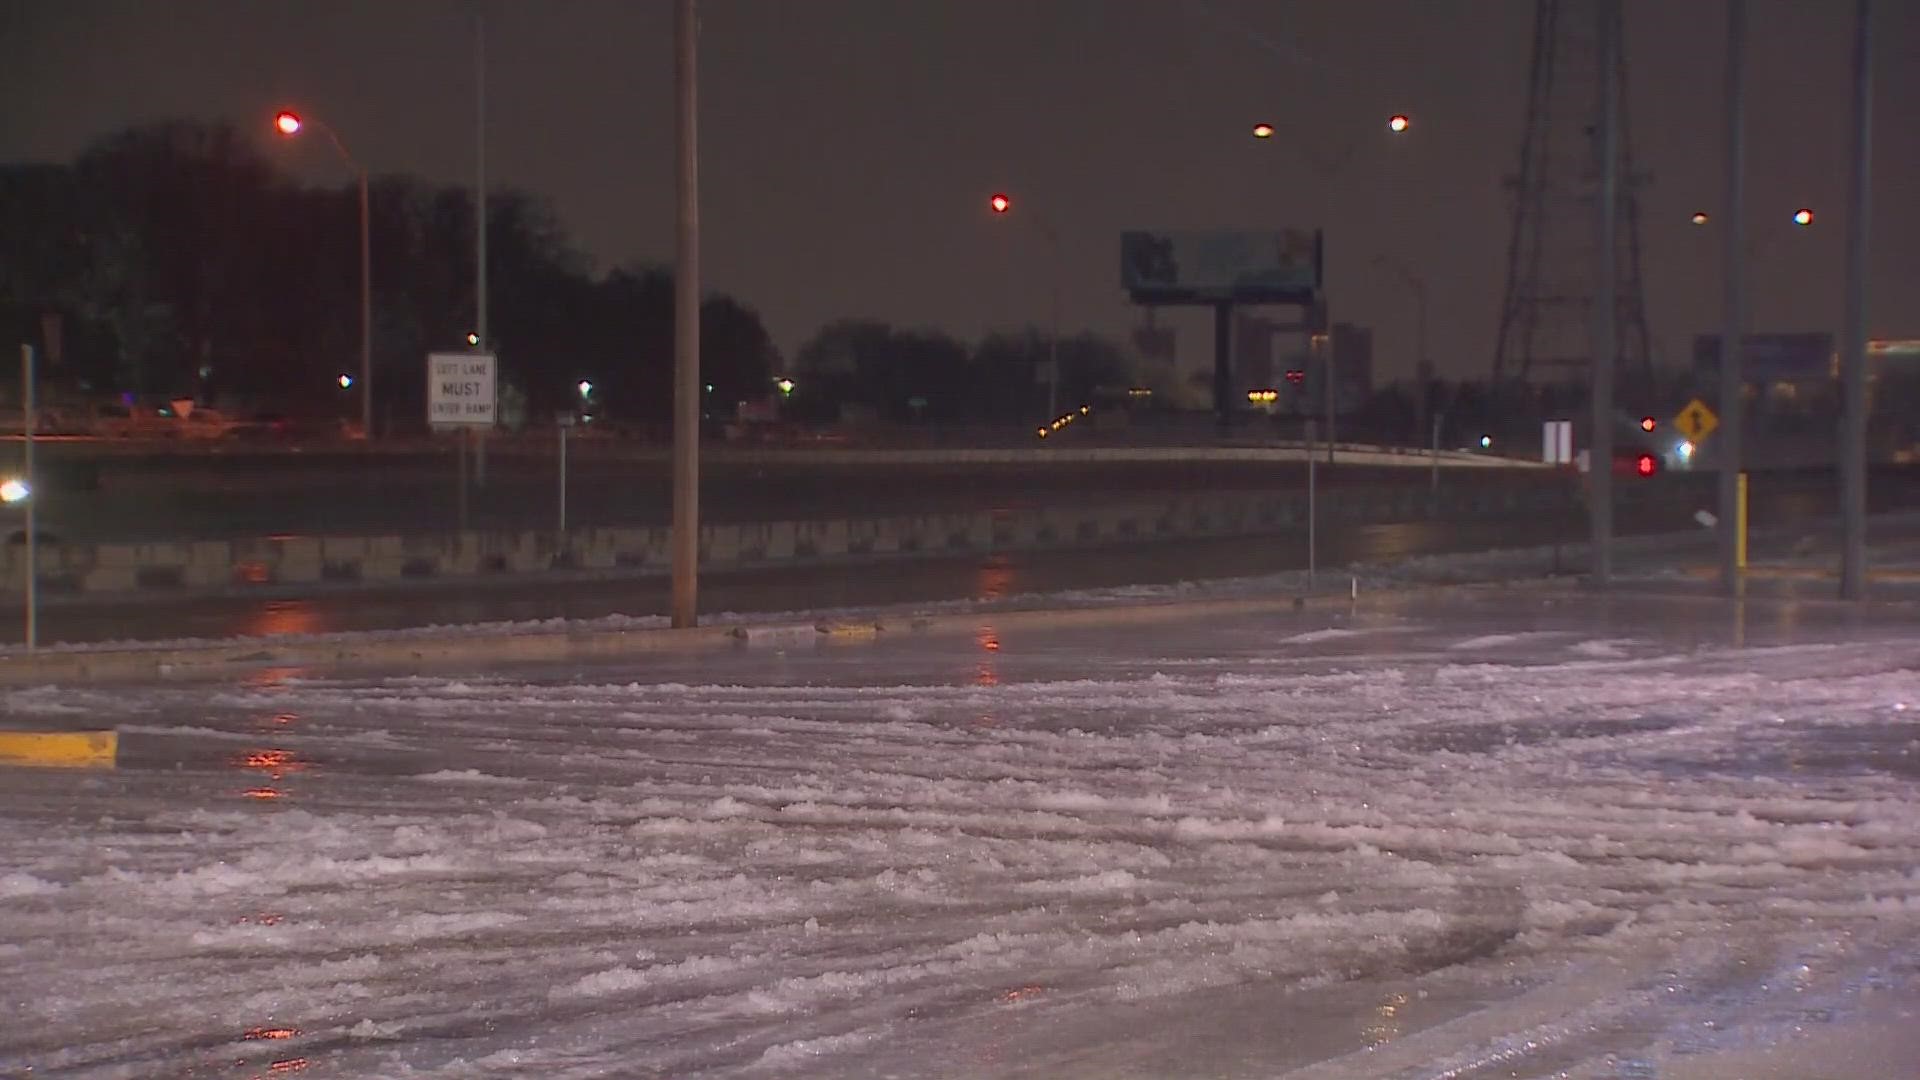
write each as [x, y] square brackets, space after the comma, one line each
[1546, 319]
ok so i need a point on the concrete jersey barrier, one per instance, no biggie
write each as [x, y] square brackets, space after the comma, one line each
[109, 568]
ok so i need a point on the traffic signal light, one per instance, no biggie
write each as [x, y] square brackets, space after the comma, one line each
[1296, 376]
[1000, 203]
[1646, 465]
[1647, 423]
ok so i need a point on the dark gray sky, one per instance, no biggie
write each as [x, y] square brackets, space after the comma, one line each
[849, 146]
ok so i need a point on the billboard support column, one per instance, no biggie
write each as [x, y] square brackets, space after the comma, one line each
[1222, 366]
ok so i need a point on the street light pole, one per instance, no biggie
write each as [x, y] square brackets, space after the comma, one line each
[1001, 204]
[1053, 334]
[1600, 457]
[290, 124]
[1423, 365]
[686, 324]
[366, 309]
[1733, 404]
[480, 200]
[1853, 357]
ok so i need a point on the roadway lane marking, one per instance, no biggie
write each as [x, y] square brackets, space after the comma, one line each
[60, 749]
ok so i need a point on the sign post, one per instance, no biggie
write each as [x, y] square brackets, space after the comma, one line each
[26, 467]
[461, 395]
[1312, 509]
[566, 425]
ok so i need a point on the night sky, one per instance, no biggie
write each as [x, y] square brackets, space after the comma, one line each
[849, 146]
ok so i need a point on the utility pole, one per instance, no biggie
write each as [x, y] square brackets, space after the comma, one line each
[686, 326]
[1733, 397]
[1853, 357]
[1606, 295]
[480, 179]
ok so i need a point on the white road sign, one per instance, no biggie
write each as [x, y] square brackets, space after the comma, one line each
[1557, 442]
[460, 389]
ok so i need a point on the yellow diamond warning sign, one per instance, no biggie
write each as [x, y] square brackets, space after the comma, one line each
[1696, 421]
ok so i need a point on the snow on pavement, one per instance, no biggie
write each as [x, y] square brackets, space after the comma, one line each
[1462, 840]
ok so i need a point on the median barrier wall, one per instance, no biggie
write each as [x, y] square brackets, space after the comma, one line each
[293, 561]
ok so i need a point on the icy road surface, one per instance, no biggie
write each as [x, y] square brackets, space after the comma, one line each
[1472, 838]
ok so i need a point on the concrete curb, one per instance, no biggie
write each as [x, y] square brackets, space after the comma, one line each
[240, 658]
[465, 649]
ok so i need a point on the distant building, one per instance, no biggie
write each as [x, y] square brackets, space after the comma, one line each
[1270, 355]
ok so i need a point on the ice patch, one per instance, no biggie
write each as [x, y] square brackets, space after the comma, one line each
[468, 776]
[1495, 641]
[1332, 633]
[808, 1052]
[1603, 649]
[18, 884]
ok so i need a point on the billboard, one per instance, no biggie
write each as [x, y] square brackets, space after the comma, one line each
[1221, 265]
[1770, 358]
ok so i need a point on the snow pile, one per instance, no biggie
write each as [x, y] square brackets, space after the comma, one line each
[1399, 847]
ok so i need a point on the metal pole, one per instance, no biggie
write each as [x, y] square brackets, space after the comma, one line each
[366, 311]
[461, 475]
[686, 326]
[1331, 397]
[480, 200]
[1222, 366]
[1853, 359]
[1733, 398]
[1600, 469]
[1053, 343]
[1434, 480]
[1423, 368]
[27, 426]
[1312, 509]
[563, 479]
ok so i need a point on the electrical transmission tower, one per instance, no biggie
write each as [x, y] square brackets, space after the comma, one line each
[1547, 317]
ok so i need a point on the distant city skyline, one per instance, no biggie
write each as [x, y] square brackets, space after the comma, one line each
[850, 146]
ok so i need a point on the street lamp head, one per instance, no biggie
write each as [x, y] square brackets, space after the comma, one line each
[1399, 122]
[286, 123]
[1700, 217]
[1803, 216]
[14, 490]
[1263, 131]
[1000, 203]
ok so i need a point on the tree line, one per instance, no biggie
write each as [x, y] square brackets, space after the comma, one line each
[175, 259]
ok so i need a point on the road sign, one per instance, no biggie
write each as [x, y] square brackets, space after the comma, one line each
[460, 389]
[1696, 421]
[1557, 442]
